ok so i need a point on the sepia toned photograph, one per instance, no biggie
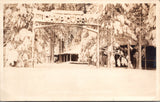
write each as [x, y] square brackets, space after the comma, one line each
[79, 51]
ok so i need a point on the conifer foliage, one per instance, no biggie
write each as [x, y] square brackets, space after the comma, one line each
[116, 20]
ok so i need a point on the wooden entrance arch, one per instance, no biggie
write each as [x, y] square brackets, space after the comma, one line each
[70, 18]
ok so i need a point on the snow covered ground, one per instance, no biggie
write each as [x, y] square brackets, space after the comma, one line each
[77, 82]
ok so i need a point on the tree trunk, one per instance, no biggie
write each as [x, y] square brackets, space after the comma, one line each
[33, 41]
[108, 52]
[97, 63]
[140, 44]
[52, 47]
[111, 56]
[129, 59]
[4, 56]
[140, 53]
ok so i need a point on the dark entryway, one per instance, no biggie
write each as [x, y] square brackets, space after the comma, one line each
[148, 62]
[74, 57]
[150, 58]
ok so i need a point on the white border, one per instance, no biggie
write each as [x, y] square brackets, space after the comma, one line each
[157, 97]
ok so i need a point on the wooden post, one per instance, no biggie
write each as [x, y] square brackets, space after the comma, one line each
[53, 43]
[108, 59]
[59, 46]
[129, 59]
[111, 57]
[107, 62]
[97, 65]
[51, 48]
[60, 50]
[111, 62]
[4, 56]
[140, 43]
[140, 52]
[62, 45]
[66, 57]
[60, 58]
[70, 57]
[33, 39]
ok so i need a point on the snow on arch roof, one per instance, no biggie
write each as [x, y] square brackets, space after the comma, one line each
[58, 12]
[65, 12]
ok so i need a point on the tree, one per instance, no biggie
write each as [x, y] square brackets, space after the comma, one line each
[18, 17]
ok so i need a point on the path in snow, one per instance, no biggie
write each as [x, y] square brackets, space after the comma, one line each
[76, 82]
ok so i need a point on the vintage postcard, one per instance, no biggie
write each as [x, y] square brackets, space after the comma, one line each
[79, 50]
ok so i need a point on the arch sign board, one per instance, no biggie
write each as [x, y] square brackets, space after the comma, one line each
[65, 17]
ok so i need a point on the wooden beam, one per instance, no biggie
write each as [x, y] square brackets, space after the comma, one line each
[55, 24]
[96, 31]
[80, 26]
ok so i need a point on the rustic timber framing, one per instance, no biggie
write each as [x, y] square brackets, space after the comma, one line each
[37, 22]
[82, 23]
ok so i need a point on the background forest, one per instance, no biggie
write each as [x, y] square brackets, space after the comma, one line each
[131, 22]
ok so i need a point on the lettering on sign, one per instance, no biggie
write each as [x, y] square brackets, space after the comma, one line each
[72, 18]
